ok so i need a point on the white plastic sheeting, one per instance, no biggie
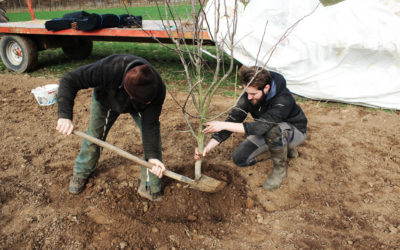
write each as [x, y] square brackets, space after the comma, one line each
[348, 52]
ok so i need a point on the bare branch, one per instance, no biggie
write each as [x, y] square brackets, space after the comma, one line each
[262, 40]
[183, 108]
[191, 56]
[284, 36]
[286, 33]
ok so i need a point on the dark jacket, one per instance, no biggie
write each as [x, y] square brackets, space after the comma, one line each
[106, 77]
[278, 106]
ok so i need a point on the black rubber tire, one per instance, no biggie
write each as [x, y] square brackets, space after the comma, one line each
[3, 12]
[18, 53]
[79, 49]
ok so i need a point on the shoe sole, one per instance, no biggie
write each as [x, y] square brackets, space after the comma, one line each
[146, 195]
[75, 191]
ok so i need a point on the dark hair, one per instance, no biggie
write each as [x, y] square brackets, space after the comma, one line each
[261, 79]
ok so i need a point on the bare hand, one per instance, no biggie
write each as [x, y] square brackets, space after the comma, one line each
[197, 155]
[214, 126]
[210, 145]
[158, 167]
[65, 126]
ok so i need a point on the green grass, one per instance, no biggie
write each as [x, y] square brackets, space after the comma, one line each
[300, 99]
[53, 63]
[149, 13]
[390, 111]
[333, 105]
[330, 2]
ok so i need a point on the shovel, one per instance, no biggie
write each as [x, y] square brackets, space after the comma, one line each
[205, 183]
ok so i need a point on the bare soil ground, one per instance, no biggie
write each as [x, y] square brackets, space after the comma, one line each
[343, 192]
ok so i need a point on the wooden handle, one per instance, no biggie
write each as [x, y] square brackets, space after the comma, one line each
[113, 148]
[129, 156]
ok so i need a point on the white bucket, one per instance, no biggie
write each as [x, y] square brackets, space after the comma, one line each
[46, 95]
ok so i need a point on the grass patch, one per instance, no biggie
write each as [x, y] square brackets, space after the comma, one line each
[148, 13]
[53, 63]
[390, 111]
[330, 2]
[331, 104]
[300, 99]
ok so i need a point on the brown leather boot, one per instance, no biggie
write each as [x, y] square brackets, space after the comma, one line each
[279, 157]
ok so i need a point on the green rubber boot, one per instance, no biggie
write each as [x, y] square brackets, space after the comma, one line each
[76, 185]
[145, 192]
[150, 186]
[293, 153]
[279, 157]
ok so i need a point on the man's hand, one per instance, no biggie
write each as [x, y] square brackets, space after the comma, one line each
[214, 126]
[158, 167]
[198, 155]
[210, 145]
[65, 126]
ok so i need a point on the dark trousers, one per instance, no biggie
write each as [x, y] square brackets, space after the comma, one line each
[100, 123]
[247, 151]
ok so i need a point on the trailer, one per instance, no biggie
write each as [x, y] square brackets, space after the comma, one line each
[21, 42]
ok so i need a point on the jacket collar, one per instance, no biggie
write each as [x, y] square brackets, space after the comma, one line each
[272, 91]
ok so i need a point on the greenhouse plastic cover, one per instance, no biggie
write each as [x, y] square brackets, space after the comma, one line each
[348, 52]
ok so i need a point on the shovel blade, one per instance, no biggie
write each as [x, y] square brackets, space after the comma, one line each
[208, 184]
[204, 183]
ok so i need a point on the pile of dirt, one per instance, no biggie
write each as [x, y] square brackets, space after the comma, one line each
[342, 192]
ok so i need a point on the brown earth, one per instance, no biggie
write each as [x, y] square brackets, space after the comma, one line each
[343, 192]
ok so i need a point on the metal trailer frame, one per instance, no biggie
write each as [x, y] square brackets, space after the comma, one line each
[21, 41]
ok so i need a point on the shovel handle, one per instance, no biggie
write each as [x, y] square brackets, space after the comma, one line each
[129, 156]
[113, 148]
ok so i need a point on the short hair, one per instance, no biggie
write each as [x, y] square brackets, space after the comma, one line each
[261, 76]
